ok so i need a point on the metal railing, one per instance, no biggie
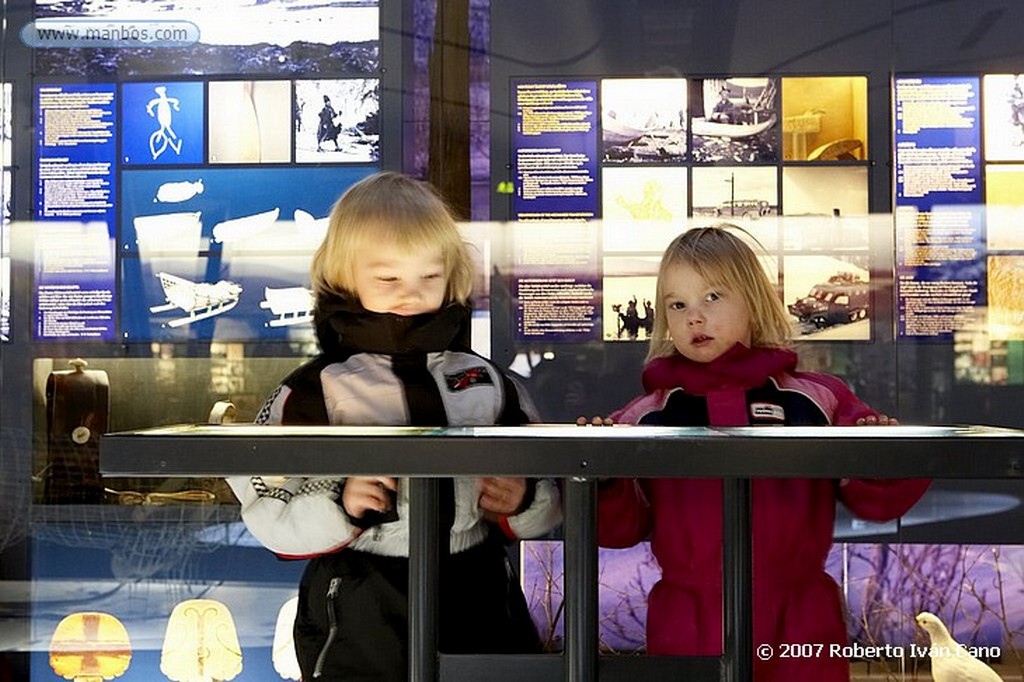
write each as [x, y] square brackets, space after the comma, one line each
[580, 456]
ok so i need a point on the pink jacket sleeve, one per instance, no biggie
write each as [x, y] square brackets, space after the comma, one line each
[872, 499]
[880, 499]
[623, 512]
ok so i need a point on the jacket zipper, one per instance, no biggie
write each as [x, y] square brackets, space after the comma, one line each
[510, 580]
[332, 626]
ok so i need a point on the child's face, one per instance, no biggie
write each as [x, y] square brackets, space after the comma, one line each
[391, 280]
[704, 320]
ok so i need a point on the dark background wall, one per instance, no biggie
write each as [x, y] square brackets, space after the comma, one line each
[637, 38]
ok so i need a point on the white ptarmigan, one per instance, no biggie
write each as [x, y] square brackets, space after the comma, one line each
[951, 662]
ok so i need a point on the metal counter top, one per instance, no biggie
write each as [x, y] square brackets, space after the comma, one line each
[567, 450]
[579, 455]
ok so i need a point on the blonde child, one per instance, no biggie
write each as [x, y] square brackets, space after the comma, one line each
[719, 355]
[392, 280]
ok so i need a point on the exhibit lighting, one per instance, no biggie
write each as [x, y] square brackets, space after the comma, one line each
[201, 643]
[90, 646]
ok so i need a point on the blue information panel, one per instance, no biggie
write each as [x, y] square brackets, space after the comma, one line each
[75, 195]
[940, 231]
[557, 282]
[555, 158]
[555, 150]
[223, 253]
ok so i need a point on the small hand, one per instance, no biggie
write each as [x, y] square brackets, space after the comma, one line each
[880, 420]
[596, 421]
[500, 496]
[872, 420]
[367, 493]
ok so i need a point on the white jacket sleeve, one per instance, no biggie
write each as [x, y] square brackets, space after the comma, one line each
[294, 517]
[542, 516]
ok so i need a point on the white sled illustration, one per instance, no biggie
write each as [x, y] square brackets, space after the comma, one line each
[246, 226]
[292, 305]
[199, 299]
[169, 231]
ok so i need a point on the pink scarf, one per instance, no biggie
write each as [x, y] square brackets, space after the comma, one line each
[724, 381]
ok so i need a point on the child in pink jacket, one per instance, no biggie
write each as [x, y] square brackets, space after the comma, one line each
[719, 356]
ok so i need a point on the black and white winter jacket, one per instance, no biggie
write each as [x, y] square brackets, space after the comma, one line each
[383, 369]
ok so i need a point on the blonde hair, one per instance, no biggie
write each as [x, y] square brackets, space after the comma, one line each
[397, 209]
[723, 259]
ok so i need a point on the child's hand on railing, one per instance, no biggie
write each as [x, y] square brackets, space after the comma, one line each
[872, 420]
[880, 420]
[595, 421]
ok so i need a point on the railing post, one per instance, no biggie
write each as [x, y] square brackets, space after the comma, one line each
[580, 580]
[424, 556]
[737, 602]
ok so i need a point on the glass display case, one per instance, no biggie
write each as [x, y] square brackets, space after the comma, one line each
[168, 169]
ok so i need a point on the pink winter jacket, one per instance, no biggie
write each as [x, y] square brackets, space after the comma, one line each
[794, 600]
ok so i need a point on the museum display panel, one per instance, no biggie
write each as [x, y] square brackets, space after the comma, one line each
[167, 172]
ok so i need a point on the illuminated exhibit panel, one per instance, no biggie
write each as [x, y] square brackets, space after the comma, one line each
[206, 265]
[939, 218]
[650, 157]
[76, 191]
[663, 154]
[172, 196]
[958, 266]
[185, 175]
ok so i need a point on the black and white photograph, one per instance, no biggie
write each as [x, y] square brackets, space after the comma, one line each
[643, 120]
[735, 120]
[735, 193]
[295, 37]
[337, 121]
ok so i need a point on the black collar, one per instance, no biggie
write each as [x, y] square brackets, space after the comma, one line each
[344, 327]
